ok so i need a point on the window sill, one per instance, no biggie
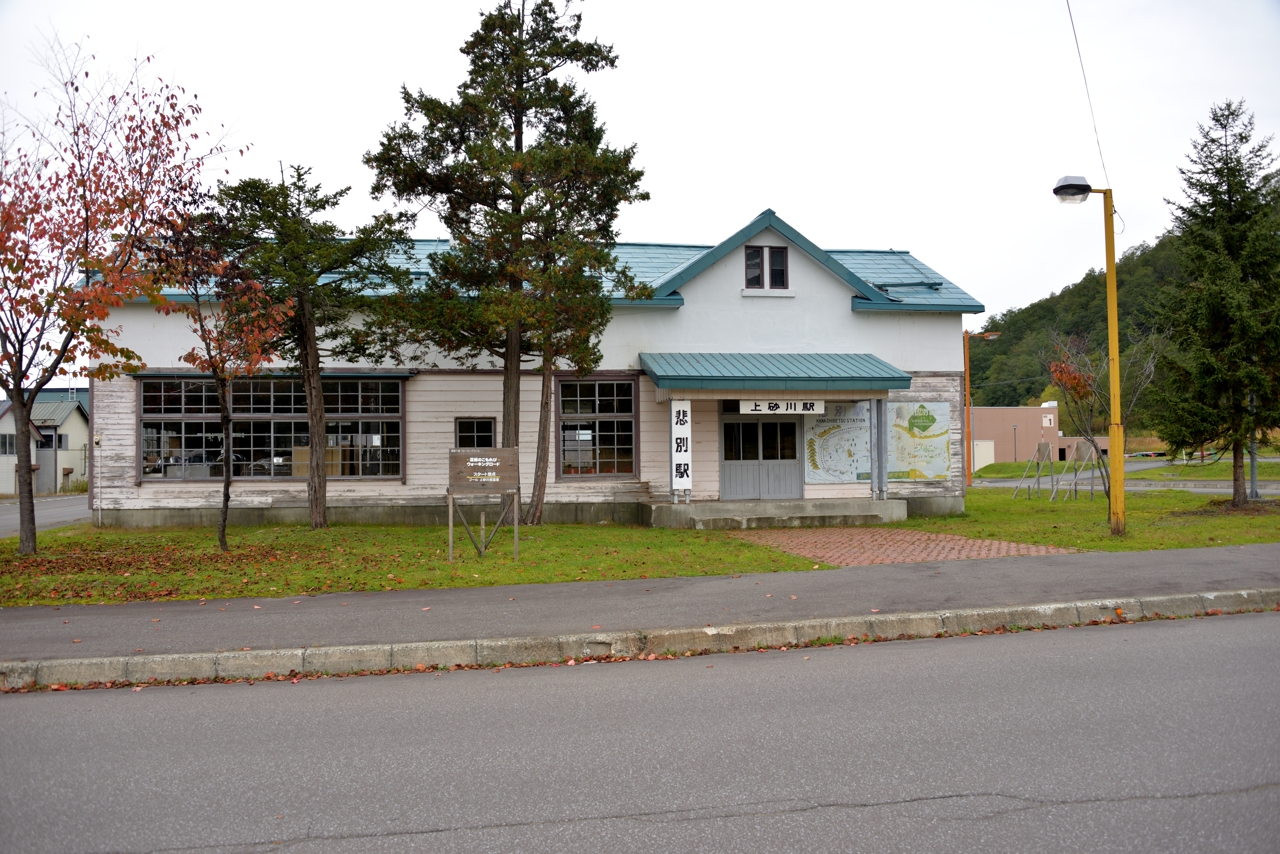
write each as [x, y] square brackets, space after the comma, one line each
[771, 292]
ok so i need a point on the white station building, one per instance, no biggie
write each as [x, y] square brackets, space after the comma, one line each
[767, 382]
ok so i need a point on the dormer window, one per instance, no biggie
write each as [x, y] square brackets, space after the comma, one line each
[755, 267]
[777, 267]
[776, 256]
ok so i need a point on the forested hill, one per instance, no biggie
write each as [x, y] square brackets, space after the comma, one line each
[1010, 370]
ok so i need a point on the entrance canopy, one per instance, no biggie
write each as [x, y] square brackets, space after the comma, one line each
[770, 371]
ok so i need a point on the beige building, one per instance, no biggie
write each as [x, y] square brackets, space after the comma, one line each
[1009, 434]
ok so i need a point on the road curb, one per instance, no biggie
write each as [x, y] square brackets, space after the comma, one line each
[431, 655]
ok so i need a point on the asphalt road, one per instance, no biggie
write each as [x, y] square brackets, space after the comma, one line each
[398, 616]
[1150, 737]
[53, 512]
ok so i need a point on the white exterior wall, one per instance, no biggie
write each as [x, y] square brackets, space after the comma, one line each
[9, 462]
[816, 317]
[75, 455]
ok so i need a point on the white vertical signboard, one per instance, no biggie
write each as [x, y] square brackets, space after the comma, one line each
[681, 447]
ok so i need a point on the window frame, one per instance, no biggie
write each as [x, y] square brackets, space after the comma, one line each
[599, 377]
[746, 282]
[457, 435]
[786, 269]
[330, 418]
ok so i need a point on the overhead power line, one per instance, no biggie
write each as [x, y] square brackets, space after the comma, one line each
[1087, 95]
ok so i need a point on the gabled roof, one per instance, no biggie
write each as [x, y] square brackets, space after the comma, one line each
[780, 371]
[669, 282]
[47, 414]
[6, 405]
[881, 280]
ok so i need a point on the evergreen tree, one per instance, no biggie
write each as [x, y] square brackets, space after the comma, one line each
[275, 232]
[517, 169]
[1222, 373]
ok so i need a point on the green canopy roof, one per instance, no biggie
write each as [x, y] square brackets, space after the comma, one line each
[773, 371]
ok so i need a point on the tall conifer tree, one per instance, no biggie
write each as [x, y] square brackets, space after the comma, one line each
[517, 169]
[1223, 370]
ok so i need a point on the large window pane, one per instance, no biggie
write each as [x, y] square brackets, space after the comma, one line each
[362, 448]
[181, 449]
[273, 442]
[179, 397]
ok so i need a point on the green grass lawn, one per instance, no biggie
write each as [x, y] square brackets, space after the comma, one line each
[1221, 470]
[1153, 520]
[1015, 470]
[86, 564]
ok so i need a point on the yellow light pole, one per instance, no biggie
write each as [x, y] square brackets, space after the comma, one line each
[968, 405]
[1072, 190]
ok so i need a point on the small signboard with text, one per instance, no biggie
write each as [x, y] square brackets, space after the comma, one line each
[782, 407]
[681, 445]
[484, 471]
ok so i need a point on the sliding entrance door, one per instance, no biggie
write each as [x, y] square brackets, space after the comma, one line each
[760, 459]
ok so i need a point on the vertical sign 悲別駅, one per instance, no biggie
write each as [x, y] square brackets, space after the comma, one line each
[681, 445]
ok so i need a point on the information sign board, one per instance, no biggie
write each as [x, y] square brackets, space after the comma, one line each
[484, 471]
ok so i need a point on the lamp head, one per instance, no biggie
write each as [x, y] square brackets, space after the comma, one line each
[1072, 189]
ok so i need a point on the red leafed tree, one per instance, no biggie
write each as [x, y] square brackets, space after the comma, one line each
[86, 177]
[1081, 372]
[235, 321]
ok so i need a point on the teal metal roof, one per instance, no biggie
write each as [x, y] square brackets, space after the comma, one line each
[905, 278]
[881, 280]
[773, 371]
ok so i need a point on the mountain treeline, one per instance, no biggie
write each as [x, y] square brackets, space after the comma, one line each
[1012, 370]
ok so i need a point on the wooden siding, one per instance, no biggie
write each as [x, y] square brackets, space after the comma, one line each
[940, 386]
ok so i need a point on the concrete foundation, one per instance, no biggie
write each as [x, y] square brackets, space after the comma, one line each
[932, 505]
[813, 513]
[703, 515]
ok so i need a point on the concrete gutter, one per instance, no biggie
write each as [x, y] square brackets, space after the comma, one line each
[431, 655]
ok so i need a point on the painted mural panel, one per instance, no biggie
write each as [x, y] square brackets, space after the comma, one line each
[838, 444]
[919, 441]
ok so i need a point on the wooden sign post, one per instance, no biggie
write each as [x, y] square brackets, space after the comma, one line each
[485, 471]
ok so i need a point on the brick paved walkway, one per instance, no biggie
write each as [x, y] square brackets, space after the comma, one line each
[868, 546]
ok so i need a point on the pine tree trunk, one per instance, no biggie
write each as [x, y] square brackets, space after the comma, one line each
[542, 461]
[1239, 493]
[224, 411]
[309, 357]
[26, 485]
[511, 388]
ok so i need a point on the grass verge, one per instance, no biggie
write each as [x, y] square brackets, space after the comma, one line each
[1221, 470]
[1153, 520]
[1015, 470]
[86, 564]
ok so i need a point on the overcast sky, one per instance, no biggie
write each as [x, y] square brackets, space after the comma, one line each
[938, 127]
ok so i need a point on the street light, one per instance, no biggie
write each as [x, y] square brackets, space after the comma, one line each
[1073, 190]
[968, 404]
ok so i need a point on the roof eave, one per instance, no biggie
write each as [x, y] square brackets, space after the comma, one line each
[950, 308]
[671, 301]
[764, 384]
